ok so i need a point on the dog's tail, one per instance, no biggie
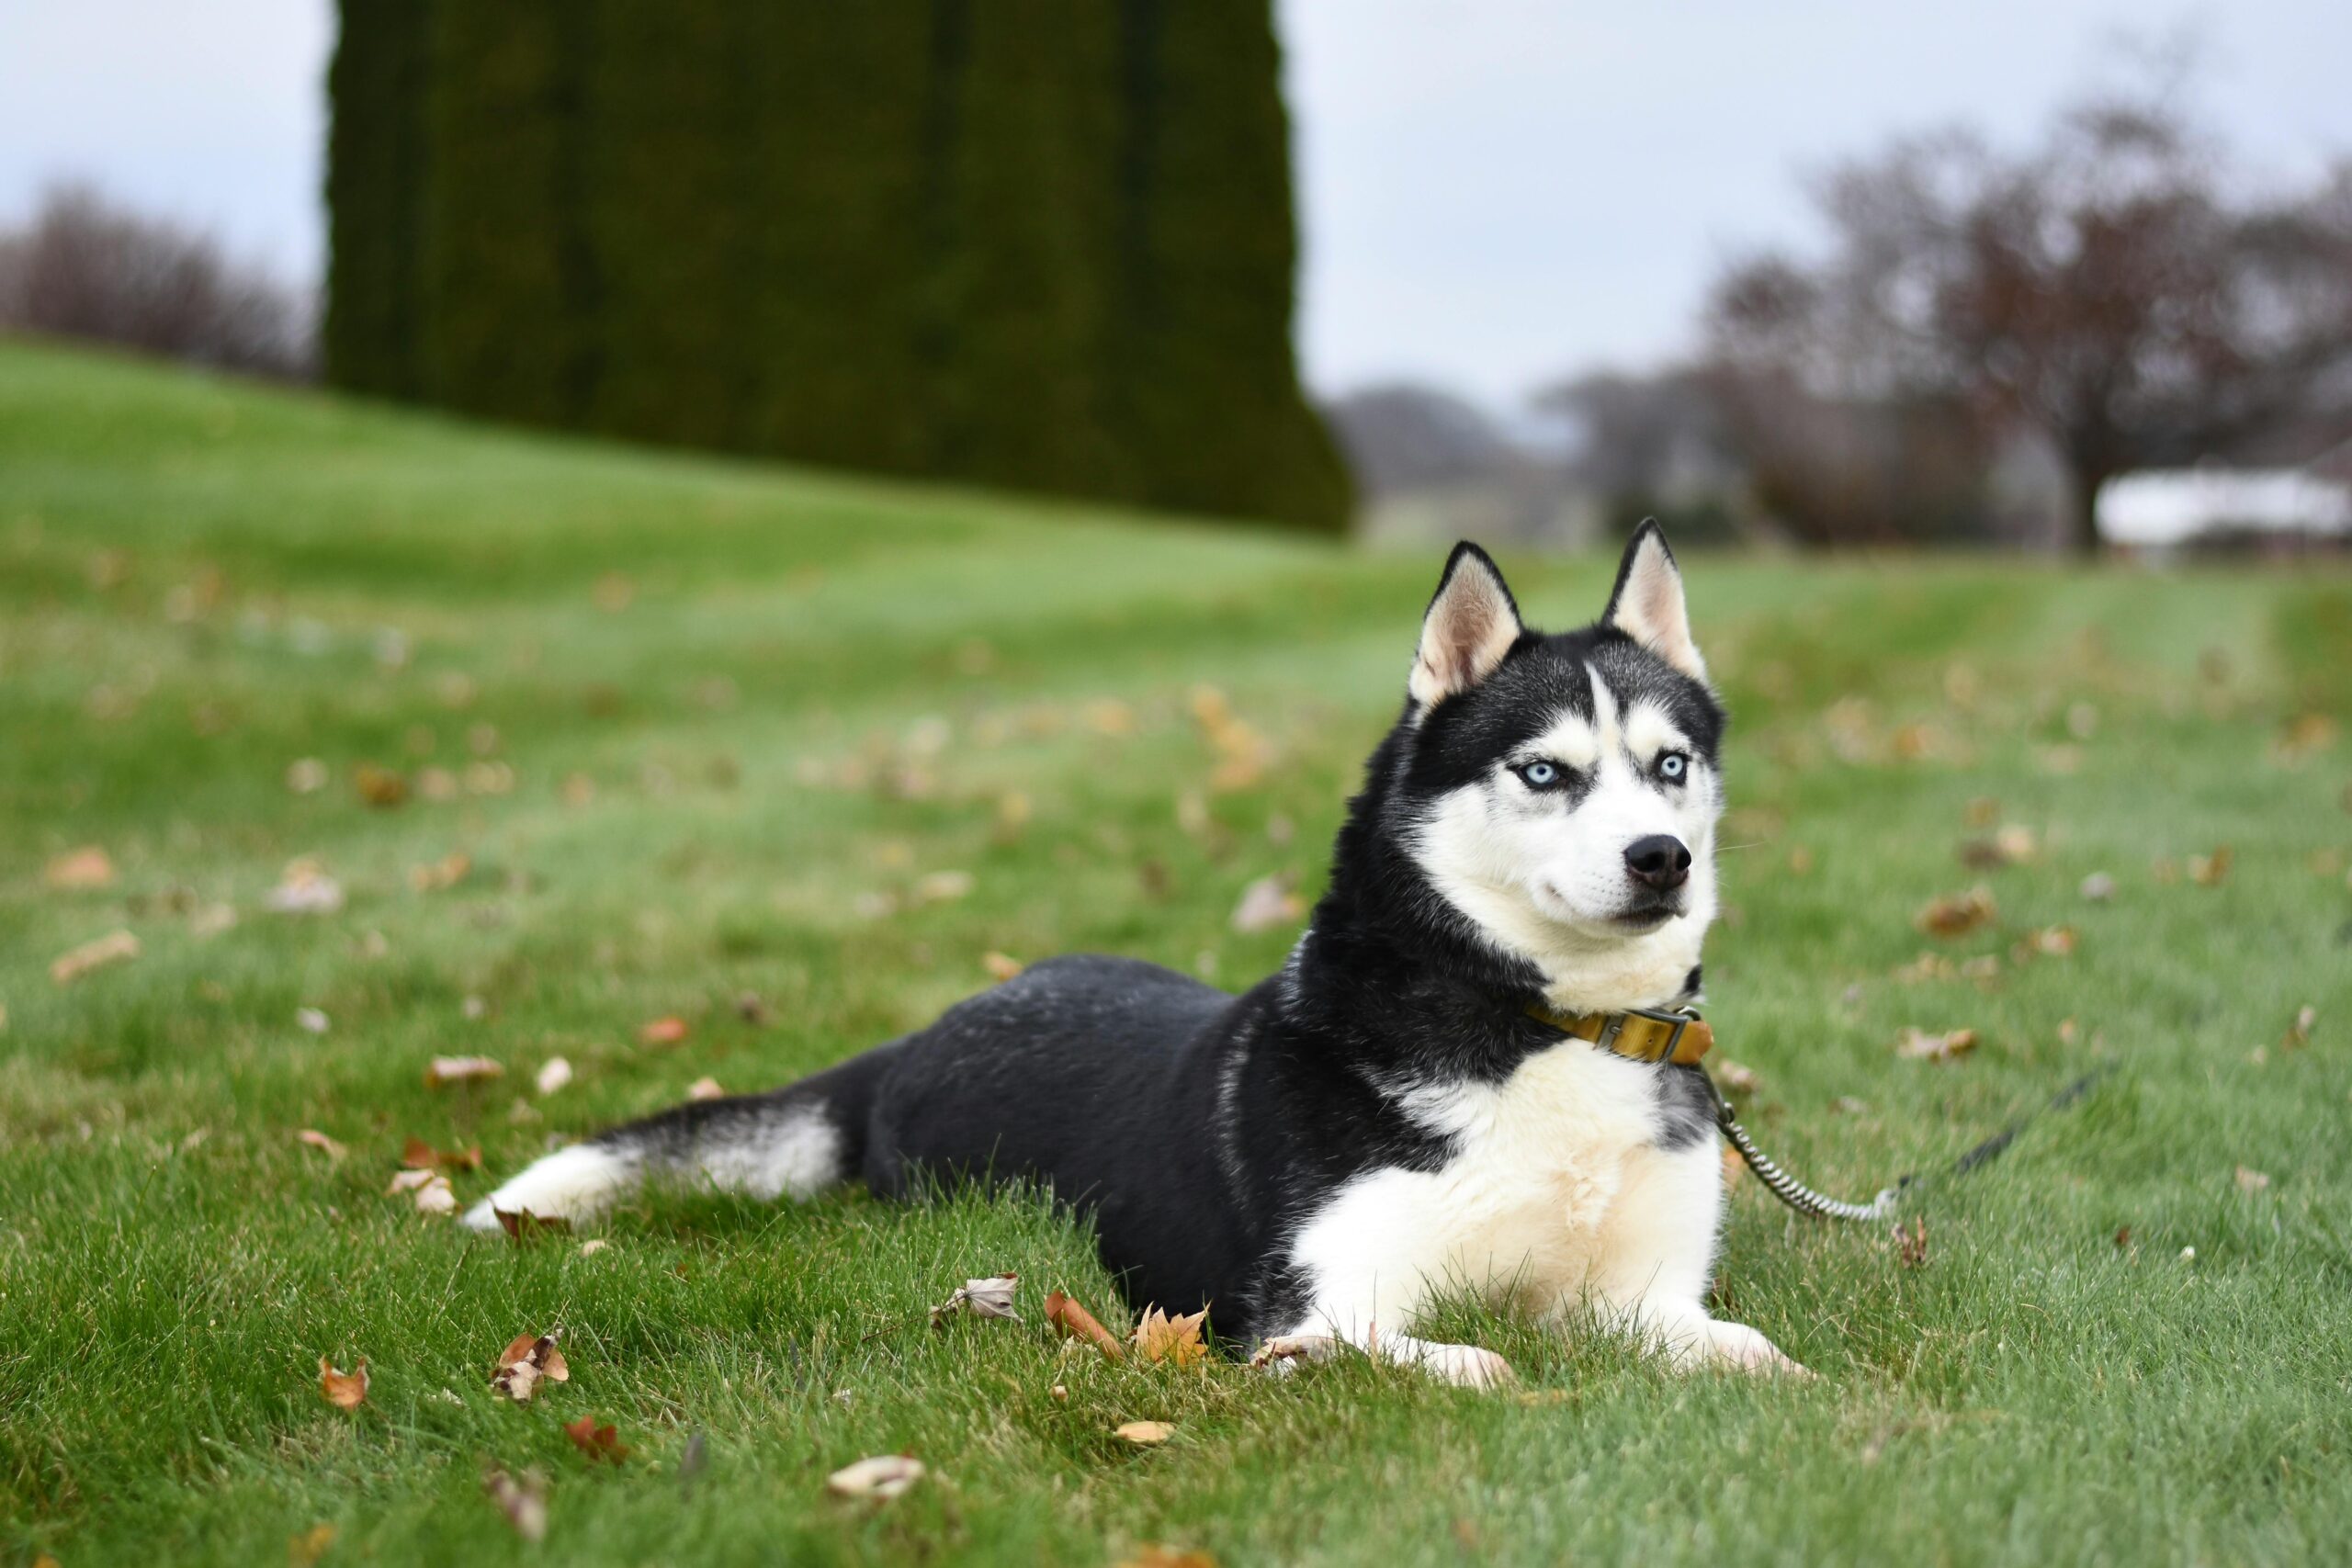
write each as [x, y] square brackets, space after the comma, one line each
[790, 1142]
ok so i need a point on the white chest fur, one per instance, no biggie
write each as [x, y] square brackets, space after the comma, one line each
[1557, 1194]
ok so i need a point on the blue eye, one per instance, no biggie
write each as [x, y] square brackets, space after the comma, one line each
[1539, 775]
[1673, 766]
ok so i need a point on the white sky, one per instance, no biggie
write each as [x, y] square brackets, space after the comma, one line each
[1494, 192]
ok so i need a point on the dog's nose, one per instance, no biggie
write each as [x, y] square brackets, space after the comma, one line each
[1660, 861]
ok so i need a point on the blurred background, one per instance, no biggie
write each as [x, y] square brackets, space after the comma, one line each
[2055, 276]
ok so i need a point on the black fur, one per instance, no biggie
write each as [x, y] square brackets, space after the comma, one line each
[1197, 1128]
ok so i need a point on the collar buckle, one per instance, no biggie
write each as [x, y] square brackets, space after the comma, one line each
[1676, 1020]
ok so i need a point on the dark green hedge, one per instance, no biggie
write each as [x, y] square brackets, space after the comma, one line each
[1044, 243]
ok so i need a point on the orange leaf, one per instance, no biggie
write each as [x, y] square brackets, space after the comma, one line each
[1159, 1337]
[521, 1224]
[1959, 914]
[459, 1070]
[1145, 1432]
[324, 1143]
[670, 1030]
[530, 1359]
[418, 1154]
[79, 870]
[1075, 1322]
[343, 1390]
[596, 1442]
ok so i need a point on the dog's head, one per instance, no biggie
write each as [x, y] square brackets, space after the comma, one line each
[1560, 793]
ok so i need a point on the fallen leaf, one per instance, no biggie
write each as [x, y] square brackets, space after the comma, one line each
[436, 1197]
[2097, 888]
[418, 1154]
[672, 1031]
[343, 1390]
[596, 1442]
[1150, 1556]
[79, 870]
[1737, 1080]
[554, 1073]
[529, 1361]
[1919, 1045]
[590, 1248]
[302, 1551]
[1911, 1245]
[325, 1144]
[944, 888]
[752, 1009]
[1266, 904]
[1074, 1322]
[407, 1180]
[521, 1224]
[2299, 1033]
[378, 786]
[2251, 1180]
[1145, 1432]
[991, 1297]
[306, 775]
[883, 1477]
[705, 1088]
[2122, 1235]
[692, 1462]
[1958, 914]
[311, 1020]
[304, 888]
[435, 876]
[1176, 1340]
[1000, 967]
[2211, 870]
[460, 1069]
[524, 1503]
[115, 947]
[2051, 941]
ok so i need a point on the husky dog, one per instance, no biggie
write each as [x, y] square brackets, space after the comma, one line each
[1408, 1107]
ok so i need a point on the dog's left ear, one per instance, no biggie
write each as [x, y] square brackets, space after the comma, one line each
[1471, 624]
[1647, 604]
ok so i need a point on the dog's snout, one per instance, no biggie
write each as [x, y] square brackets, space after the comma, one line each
[1660, 861]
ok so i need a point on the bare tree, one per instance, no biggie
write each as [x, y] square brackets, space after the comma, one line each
[87, 268]
[2105, 287]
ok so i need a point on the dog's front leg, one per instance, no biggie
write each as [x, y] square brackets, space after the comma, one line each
[1465, 1366]
[1657, 1261]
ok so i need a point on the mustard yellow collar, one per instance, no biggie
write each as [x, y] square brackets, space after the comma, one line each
[1645, 1034]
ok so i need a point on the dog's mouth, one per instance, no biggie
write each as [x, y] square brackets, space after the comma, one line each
[1639, 917]
[1648, 914]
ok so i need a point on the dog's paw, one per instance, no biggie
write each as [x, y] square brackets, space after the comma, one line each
[1738, 1347]
[1464, 1366]
[1283, 1354]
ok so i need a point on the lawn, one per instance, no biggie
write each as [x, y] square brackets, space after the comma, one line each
[787, 757]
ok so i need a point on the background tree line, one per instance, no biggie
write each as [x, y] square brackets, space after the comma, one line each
[1044, 243]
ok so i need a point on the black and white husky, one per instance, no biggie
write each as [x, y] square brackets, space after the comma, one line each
[1388, 1118]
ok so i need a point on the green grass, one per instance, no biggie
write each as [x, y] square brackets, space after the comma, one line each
[714, 685]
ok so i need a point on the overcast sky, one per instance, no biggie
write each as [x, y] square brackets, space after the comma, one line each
[1493, 191]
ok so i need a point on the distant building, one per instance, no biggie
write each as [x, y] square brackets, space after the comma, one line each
[2168, 509]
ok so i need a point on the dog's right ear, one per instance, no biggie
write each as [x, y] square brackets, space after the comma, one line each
[1471, 624]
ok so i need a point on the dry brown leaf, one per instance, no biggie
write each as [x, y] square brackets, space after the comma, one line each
[524, 1501]
[1919, 1045]
[529, 1361]
[1267, 904]
[596, 1442]
[521, 1224]
[2097, 888]
[1000, 967]
[2299, 1033]
[664, 1032]
[2251, 1180]
[79, 870]
[1911, 1245]
[434, 1194]
[418, 1154]
[1958, 914]
[460, 1069]
[378, 786]
[590, 1248]
[1150, 1556]
[345, 1390]
[705, 1088]
[943, 888]
[2212, 871]
[1145, 1432]
[991, 1297]
[1176, 1340]
[554, 1073]
[435, 876]
[883, 1477]
[1927, 966]
[1736, 1080]
[325, 1144]
[115, 947]
[1074, 1322]
[306, 775]
[302, 1551]
[2050, 942]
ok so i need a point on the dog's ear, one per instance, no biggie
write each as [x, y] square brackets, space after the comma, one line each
[1647, 604]
[1471, 624]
